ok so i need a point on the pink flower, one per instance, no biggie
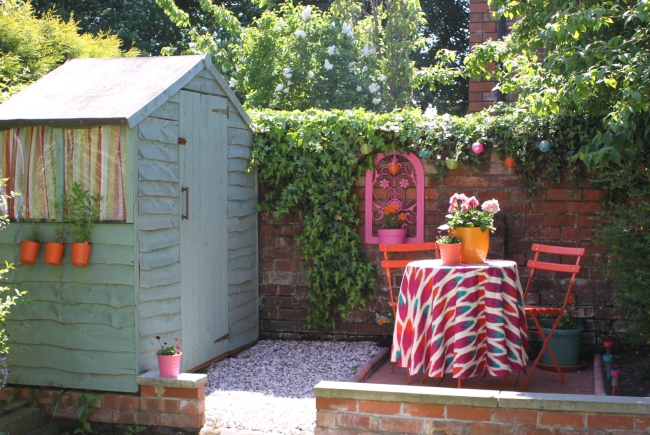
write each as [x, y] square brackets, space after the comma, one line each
[491, 206]
[473, 201]
[383, 184]
[453, 201]
[404, 183]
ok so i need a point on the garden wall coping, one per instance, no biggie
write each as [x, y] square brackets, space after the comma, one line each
[184, 380]
[484, 398]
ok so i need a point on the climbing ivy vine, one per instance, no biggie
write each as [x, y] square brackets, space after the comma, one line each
[308, 162]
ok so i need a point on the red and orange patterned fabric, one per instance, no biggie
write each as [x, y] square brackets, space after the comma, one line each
[460, 320]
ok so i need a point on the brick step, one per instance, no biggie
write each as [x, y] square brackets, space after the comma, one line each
[6, 408]
[21, 421]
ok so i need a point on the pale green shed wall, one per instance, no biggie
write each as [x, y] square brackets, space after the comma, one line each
[79, 329]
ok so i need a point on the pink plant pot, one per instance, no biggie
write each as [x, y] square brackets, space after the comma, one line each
[392, 237]
[169, 365]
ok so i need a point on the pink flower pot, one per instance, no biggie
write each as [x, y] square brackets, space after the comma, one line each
[169, 365]
[450, 254]
[392, 237]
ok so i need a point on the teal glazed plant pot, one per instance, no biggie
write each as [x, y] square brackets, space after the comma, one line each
[565, 344]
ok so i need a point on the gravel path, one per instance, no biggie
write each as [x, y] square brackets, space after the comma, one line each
[269, 387]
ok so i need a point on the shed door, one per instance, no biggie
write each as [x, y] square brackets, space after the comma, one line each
[204, 236]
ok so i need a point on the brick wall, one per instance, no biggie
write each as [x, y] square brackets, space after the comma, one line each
[351, 409]
[482, 27]
[558, 214]
[173, 403]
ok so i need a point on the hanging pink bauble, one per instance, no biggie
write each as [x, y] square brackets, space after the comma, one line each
[477, 147]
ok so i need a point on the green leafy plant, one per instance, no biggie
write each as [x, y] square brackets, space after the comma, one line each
[464, 213]
[168, 350]
[82, 211]
[34, 234]
[447, 239]
[136, 429]
[87, 405]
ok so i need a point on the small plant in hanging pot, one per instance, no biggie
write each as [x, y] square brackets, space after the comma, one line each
[82, 213]
[54, 250]
[169, 359]
[31, 245]
[449, 245]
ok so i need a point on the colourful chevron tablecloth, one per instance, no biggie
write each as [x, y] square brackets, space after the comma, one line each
[460, 320]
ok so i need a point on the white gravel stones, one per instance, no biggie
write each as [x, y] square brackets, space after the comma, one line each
[270, 387]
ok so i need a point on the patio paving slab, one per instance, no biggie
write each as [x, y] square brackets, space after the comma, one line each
[580, 382]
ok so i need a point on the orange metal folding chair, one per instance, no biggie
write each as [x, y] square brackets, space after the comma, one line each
[393, 264]
[533, 311]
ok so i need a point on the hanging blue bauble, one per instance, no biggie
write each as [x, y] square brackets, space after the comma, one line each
[424, 154]
[544, 146]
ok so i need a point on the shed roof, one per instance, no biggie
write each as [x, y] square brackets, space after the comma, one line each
[85, 92]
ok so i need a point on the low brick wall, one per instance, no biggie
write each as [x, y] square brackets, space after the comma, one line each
[351, 409]
[162, 402]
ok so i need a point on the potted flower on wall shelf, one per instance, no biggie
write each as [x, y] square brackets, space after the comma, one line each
[392, 230]
[31, 245]
[82, 213]
[169, 359]
[449, 245]
[471, 225]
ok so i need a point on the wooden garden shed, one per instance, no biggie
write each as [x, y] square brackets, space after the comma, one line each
[166, 143]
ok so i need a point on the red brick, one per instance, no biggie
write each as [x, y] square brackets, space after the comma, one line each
[515, 416]
[400, 425]
[532, 430]
[538, 234]
[127, 417]
[325, 403]
[583, 207]
[479, 7]
[642, 423]
[185, 393]
[148, 391]
[334, 431]
[357, 421]
[120, 401]
[492, 429]
[605, 421]
[477, 107]
[104, 415]
[191, 406]
[193, 421]
[469, 413]
[576, 234]
[377, 407]
[147, 418]
[548, 208]
[325, 418]
[592, 194]
[423, 410]
[561, 419]
[159, 405]
[563, 195]
[586, 221]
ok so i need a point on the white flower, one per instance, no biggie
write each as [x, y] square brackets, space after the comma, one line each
[368, 51]
[289, 83]
[300, 33]
[306, 13]
[331, 50]
[430, 112]
[232, 83]
[373, 88]
[310, 74]
[287, 72]
[242, 59]
[351, 67]
[376, 100]
[365, 68]
[279, 87]
[347, 30]
[359, 88]
[382, 78]
[286, 90]
[328, 65]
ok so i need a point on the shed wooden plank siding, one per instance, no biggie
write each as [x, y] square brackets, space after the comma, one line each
[243, 300]
[158, 229]
[79, 329]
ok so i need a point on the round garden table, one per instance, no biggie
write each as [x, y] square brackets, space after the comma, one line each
[460, 320]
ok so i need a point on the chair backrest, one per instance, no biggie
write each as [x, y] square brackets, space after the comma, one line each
[389, 264]
[573, 269]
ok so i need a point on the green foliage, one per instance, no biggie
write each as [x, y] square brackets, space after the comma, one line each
[81, 211]
[34, 232]
[168, 350]
[30, 47]
[86, 405]
[308, 163]
[448, 239]
[136, 429]
[625, 233]
[584, 58]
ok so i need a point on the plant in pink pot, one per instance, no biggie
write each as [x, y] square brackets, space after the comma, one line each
[169, 359]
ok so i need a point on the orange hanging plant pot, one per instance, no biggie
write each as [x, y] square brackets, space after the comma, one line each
[29, 251]
[80, 254]
[53, 253]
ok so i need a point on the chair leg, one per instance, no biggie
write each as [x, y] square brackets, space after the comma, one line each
[545, 346]
[460, 381]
